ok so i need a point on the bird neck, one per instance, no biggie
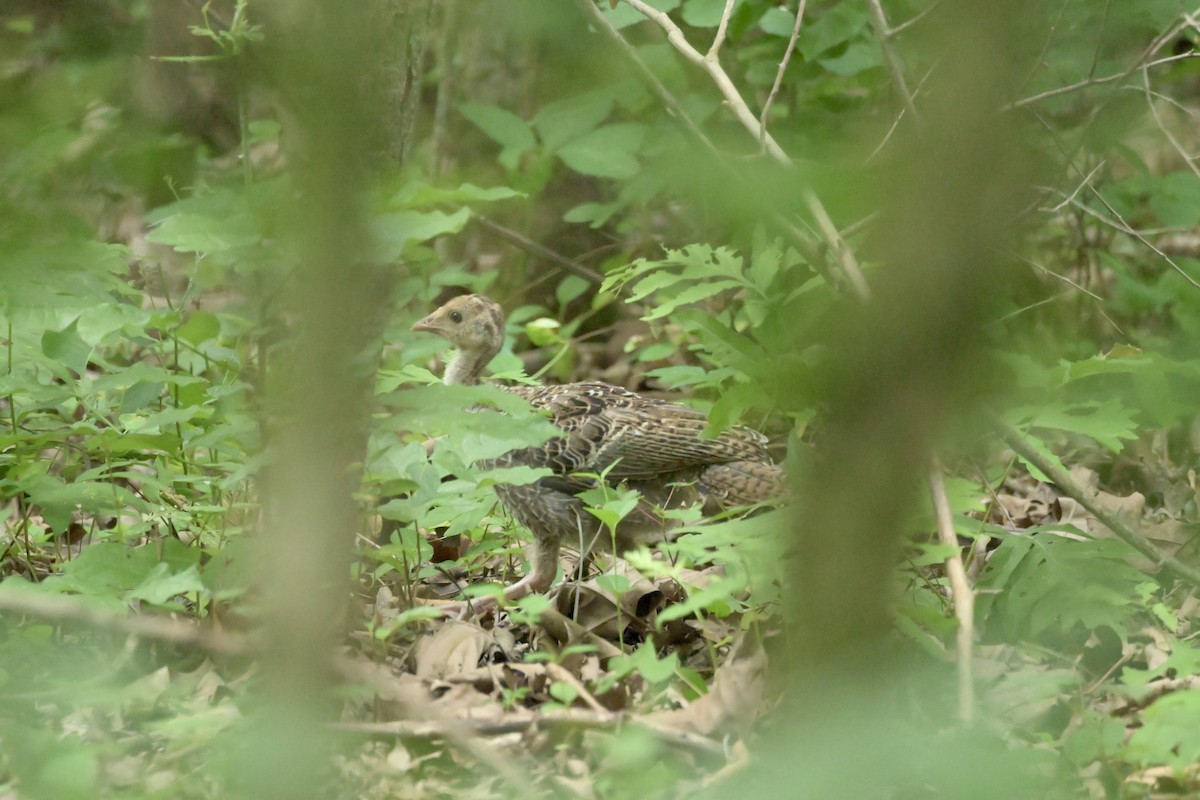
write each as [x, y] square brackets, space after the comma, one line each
[466, 367]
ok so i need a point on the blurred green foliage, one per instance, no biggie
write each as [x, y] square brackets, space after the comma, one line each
[148, 179]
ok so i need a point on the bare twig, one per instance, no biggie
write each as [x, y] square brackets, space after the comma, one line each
[674, 107]
[461, 732]
[783, 65]
[163, 629]
[559, 673]
[722, 27]
[1139, 63]
[837, 245]
[903, 26]
[539, 250]
[1073, 490]
[1127, 228]
[963, 595]
[712, 65]
[1162, 126]
[568, 719]
[891, 58]
[1087, 180]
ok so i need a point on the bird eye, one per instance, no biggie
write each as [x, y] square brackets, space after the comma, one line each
[455, 317]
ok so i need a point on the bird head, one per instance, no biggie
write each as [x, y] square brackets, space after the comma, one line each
[472, 323]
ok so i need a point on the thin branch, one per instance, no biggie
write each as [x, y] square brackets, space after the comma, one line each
[569, 719]
[960, 590]
[844, 255]
[539, 250]
[1126, 228]
[783, 65]
[1143, 60]
[837, 245]
[896, 122]
[1071, 489]
[719, 39]
[1162, 126]
[674, 107]
[903, 26]
[718, 74]
[58, 608]
[891, 58]
[1087, 181]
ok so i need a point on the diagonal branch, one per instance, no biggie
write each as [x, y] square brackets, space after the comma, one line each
[783, 65]
[891, 58]
[712, 65]
[1071, 489]
[960, 589]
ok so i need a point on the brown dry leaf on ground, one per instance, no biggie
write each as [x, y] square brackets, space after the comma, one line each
[732, 701]
[457, 647]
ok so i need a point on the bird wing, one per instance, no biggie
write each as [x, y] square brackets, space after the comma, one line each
[609, 428]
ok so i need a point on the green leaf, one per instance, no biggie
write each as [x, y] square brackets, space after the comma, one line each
[704, 13]
[858, 57]
[625, 15]
[417, 194]
[1169, 733]
[161, 585]
[594, 214]
[647, 664]
[108, 570]
[395, 232]
[200, 327]
[778, 22]
[543, 331]
[564, 693]
[1107, 421]
[1176, 200]
[505, 128]
[572, 287]
[606, 152]
[67, 348]
[839, 24]
[617, 584]
[559, 122]
[1057, 583]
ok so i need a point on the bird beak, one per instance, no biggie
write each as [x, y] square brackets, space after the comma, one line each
[427, 325]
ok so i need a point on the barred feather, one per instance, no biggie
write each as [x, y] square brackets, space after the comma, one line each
[655, 446]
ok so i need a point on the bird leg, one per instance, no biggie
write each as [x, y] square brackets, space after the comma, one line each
[543, 568]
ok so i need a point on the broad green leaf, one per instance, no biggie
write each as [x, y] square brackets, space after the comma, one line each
[505, 128]
[1168, 733]
[595, 215]
[417, 195]
[396, 231]
[778, 21]
[67, 348]
[570, 288]
[858, 57]
[704, 13]
[624, 15]
[559, 122]
[606, 152]
[838, 24]
[1107, 421]
[617, 584]
[1176, 200]
[200, 327]
[163, 584]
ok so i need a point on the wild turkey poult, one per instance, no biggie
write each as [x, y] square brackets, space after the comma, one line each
[653, 446]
